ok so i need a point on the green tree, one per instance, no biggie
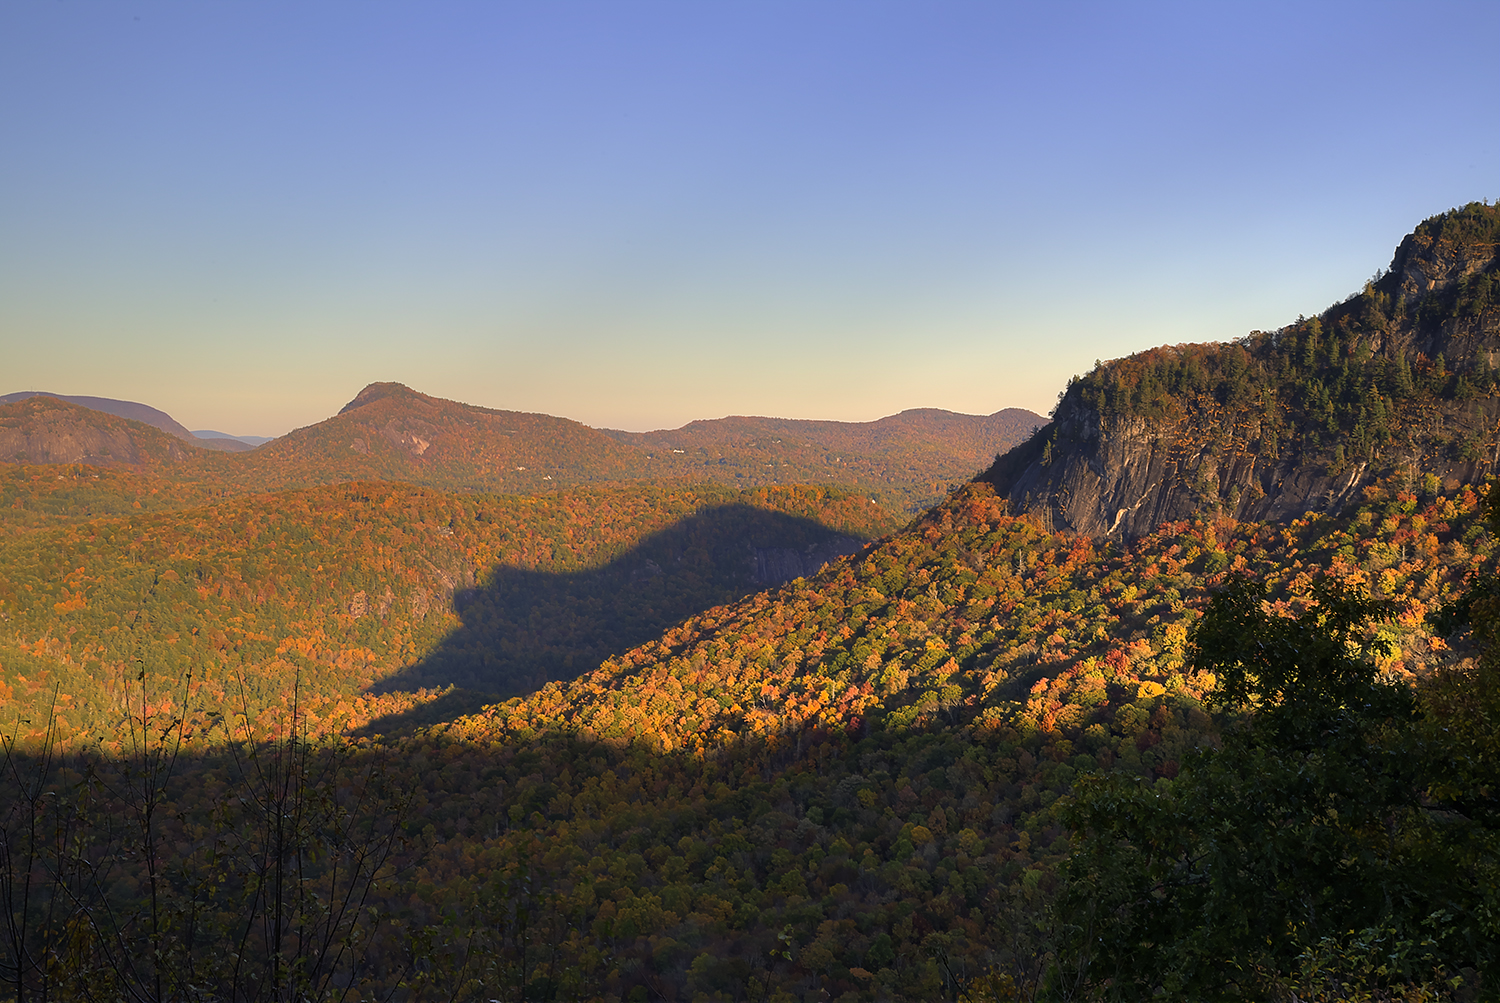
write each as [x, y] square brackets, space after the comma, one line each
[1313, 826]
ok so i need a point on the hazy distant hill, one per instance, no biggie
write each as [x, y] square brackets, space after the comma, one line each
[391, 432]
[249, 440]
[136, 412]
[906, 461]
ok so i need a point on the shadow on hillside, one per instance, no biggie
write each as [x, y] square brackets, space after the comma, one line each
[524, 628]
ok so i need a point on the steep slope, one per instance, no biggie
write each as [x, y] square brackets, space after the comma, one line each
[1398, 379]
[906, 461]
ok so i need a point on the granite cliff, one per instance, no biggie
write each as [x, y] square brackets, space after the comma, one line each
[1398, 380]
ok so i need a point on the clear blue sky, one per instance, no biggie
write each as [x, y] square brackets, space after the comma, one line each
[635, 213]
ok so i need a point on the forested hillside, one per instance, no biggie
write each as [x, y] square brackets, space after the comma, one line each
[370, 592]
[853, 784]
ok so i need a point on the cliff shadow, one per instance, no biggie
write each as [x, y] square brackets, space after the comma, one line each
[522, 628]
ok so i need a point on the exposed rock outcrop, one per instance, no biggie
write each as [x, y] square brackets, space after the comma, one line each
[1125, 453]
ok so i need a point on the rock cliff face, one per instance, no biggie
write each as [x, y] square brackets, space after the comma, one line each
[1276, 449]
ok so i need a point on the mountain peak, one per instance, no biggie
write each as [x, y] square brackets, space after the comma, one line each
[381, 391]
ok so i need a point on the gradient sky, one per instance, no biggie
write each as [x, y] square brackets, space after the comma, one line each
[637, 213]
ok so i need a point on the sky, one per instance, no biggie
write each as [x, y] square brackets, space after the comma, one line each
[635, 214]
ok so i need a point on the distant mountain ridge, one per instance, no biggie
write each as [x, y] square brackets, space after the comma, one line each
[904, 426]
[249, 440]
[1398, 379]
[391, 432]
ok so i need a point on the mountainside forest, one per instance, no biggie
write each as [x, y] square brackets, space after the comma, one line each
[1193, 694]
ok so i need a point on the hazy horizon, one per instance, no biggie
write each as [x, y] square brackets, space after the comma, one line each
[216, 433]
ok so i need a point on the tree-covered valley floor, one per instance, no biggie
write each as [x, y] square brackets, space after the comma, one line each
[848, 787]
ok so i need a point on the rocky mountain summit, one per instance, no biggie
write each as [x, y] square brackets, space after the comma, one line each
[1398, 378]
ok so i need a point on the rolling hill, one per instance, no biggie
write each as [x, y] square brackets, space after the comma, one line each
[906, 461]
[45, 429]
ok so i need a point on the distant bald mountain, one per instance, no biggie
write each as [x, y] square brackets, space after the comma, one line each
[136, 412]
[393, 433]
